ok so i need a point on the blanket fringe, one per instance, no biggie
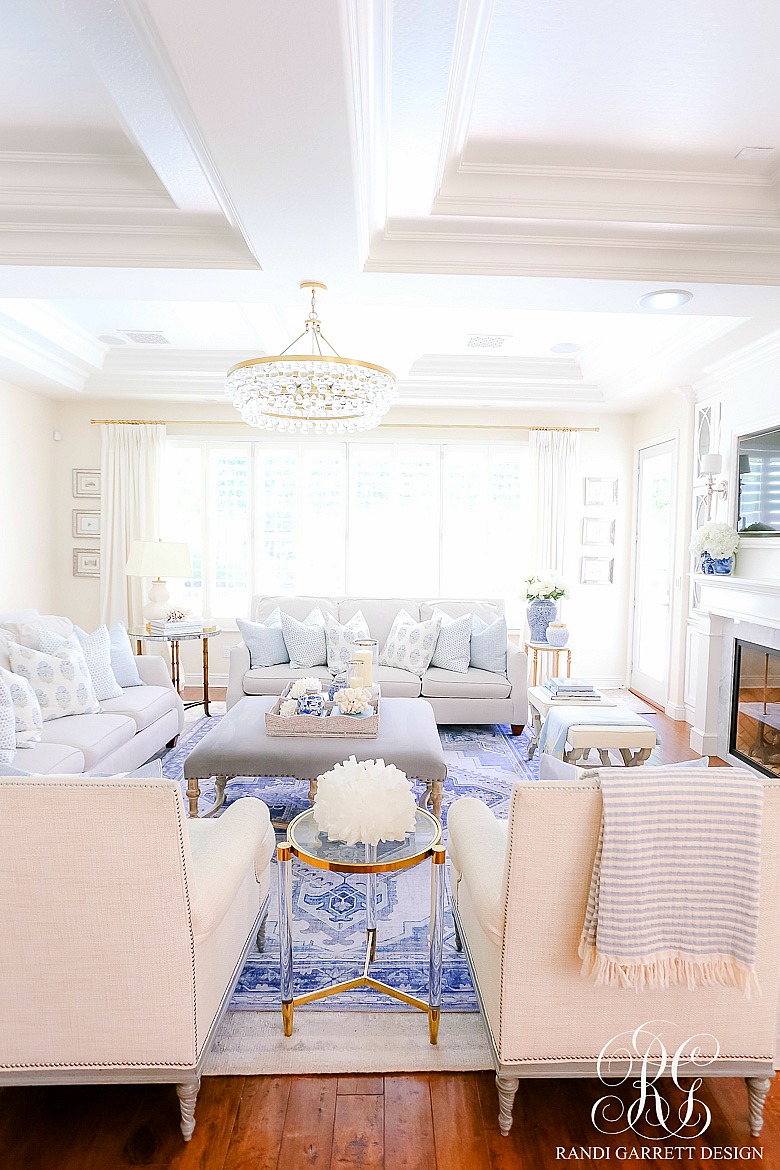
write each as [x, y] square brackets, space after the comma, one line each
[658, 972]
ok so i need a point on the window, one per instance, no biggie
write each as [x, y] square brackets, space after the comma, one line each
[363, 518]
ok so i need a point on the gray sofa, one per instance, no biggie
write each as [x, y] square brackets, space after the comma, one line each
[478, 696]
[124, 734]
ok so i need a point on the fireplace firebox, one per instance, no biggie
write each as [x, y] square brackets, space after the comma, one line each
[755, 707]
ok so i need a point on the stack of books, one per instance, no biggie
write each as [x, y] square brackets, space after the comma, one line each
[572, 690]
[165, 629]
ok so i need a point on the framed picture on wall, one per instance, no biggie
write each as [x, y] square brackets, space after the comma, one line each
[596, 570]
[86, 483]
[86, 562]
[600, 491]
[597, 530]
[86, 523]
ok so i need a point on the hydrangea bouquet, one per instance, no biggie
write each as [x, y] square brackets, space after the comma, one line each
[715, 544]
[545, 587]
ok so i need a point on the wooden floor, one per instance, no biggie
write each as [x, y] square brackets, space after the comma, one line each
[414, 1122]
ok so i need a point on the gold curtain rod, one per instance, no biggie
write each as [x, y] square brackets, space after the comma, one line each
[191, 422]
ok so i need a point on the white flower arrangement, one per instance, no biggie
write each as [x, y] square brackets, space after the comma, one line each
[370, 801]
[719, 540]
[353, 700]
[305, 686]
[547, 586]
[288, 707]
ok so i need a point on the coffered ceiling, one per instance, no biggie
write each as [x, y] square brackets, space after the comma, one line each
[448, 167]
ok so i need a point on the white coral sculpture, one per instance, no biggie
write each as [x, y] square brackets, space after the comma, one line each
[305, 686]
[289, 707]
[353, 700]
[370, 801]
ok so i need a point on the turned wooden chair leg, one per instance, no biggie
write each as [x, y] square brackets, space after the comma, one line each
[757, 1088]
[507, 1087]
[188, 1095]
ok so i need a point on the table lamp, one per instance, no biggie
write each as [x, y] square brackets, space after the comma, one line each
[158, 559]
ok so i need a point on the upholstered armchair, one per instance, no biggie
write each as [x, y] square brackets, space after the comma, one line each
[123, 929]
[519, 892]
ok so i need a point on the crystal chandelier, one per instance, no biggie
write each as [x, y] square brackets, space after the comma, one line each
[318, 392]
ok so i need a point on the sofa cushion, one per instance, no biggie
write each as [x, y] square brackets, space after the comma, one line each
[97, 651]
[271, 680]
[144, 705]
[398, 684]
[488, 645]
[122, 658]
[27, 710]
[27, 633]
[7, 725]
[488, 611]
[474, 684]
[95, 736]
[340, 640]
[305, 641]
[45, 759]
[264, 640]
[453, 645]
[379, 613]
[410, 644]
[296, 605]
[61, 681]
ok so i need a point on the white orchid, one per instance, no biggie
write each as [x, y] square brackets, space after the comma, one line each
[719, 540]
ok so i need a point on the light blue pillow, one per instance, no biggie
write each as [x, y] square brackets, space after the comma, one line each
[488, 645]
[122, 658]
[264, 640]
[305, 641]
[452, 650]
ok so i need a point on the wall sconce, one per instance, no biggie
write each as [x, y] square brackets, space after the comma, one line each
[710, 467]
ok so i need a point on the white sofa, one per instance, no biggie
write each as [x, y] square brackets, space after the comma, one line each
[126, 732]
[124, 929]
[478, 696]
[519, 891]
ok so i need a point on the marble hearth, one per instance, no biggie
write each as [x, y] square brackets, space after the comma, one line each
[730, 608]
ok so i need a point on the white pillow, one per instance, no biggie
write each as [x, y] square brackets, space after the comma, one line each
[453, 645]
[61, 681]
[341, 639]
[305, 641]
[410, 644]
[7, 726]
[27, 710]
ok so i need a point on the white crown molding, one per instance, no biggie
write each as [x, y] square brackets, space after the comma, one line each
[580, 209]
[748, 357]
[32, 355]
[482, 366]
[667, 356]
[471, 32]
[619, 174]
[56, 329]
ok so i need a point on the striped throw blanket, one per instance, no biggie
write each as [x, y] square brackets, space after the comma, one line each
[674, 894]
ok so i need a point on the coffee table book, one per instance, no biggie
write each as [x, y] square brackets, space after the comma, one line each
[328, 726]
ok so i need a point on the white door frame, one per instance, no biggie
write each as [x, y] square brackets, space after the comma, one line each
[673, 439]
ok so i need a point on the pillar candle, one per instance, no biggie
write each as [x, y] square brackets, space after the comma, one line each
[365, 657]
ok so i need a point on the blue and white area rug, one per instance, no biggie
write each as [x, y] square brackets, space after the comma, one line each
[329, 908]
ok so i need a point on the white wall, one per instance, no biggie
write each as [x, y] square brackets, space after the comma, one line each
[598, 615]
[27, 455]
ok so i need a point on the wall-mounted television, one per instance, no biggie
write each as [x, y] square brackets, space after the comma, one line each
[759, 483]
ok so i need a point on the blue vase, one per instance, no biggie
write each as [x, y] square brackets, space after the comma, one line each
[311, 705]
[723, 566]
[540, 613]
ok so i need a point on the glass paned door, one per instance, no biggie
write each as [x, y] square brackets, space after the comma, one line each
[654, 570]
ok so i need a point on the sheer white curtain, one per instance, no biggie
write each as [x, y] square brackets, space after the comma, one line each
[553, 465]
[131, 462]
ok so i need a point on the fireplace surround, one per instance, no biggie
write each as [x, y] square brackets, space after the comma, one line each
[755, 706]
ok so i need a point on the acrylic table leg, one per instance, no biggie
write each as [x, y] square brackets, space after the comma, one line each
[206, 676]
[437, 942]
[371, 903]
[284, 859]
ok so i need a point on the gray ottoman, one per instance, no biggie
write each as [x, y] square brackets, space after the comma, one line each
[239, 746]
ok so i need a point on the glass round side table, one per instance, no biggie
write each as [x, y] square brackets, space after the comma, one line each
[308, 844]
[141, 635]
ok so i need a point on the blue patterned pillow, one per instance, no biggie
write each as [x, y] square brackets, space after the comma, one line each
[488, 645]
[7, 726]
[453, 645]
[96, 648]
[264, 640]
[410, 644]
[341, 640]
[305, 641]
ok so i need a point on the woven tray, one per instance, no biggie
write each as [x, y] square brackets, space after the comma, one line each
[322, 727]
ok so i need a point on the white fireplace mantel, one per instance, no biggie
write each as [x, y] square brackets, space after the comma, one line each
[741, 599]
[721, 602]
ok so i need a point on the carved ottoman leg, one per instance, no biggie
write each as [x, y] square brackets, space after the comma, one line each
[757, 1088]
[507, 1087]
[188, 1095]
[436, 795]
[193, 792]
[312, 790]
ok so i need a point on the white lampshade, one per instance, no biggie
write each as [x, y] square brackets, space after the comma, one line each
[158, 558]
[711, 464]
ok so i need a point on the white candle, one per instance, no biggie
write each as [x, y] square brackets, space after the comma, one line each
[365, 657]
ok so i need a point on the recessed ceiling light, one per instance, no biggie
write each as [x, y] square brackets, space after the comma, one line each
[109, 339]
[753, 153]
[665, 298]
[565, 347]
